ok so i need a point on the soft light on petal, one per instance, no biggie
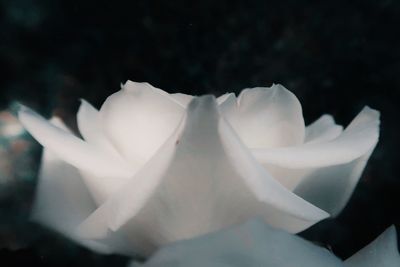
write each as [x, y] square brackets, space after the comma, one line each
[62, 201]
[330, 188]
[265, 117]
[251, 244]
[89, 124]
[70, 148]
[221, 99]
[139, 119]
[326, 173]
[186, 189]
[355, 141]
[182, 99]
[103, 172]
[322, 130]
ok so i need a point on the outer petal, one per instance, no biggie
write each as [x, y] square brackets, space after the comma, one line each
[357, 139]
[70, 148]
[103, 172]
[88, 119]
[326, 174]
[382, 252]
[139, 119]
[322, 130]
[201, 180]
[251, 244]
[330, 188]
[265, 117]
[62, 201]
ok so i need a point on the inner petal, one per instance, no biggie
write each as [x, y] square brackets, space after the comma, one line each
[138, 120]
[265, 117]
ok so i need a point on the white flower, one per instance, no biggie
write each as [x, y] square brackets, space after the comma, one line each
[154, 167]
[254, 244]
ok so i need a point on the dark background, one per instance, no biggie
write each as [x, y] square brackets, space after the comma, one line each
[336, 56]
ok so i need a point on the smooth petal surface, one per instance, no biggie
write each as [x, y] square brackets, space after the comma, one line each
[326, 173]
[252, 244]
[104, 172]
[383, 252]
[89, 125]
[101, 186]
[139, 119]
[221, 99]
[69, 147]
[322, 130]
[265, 117]
[182, 99]
[62, 201]
[187, 189]
[355, 141]
[330, 188]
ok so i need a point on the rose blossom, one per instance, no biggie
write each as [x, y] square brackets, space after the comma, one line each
[154, 167]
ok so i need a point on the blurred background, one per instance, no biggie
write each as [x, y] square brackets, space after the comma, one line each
[336, 56]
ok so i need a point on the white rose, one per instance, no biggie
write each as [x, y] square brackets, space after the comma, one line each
[257, 244]
[154, 167]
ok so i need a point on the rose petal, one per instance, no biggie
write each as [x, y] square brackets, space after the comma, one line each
[355, 141]
[103, 172]
[139, 119]
[62, 201]
[88, 119]
[330, 188]
[253, 243]
[326, 174]
[221, 99]
[182, 99]
[322, 130]
[101, 187]
[382, 252]
[179, 98]
[186, 189]
[265, 117]
[70, 148]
